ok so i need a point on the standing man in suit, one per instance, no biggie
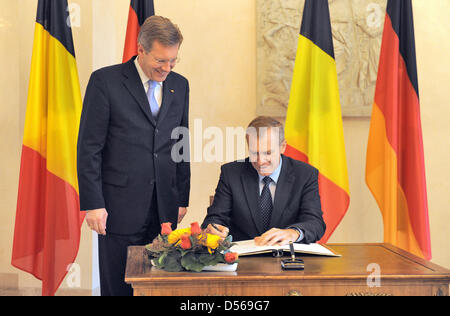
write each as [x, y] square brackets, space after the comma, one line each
[128, 181]
[269, 197]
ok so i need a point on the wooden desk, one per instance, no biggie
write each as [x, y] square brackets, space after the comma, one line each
[401, 273]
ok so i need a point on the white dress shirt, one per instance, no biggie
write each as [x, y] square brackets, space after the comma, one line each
[145, 83]
[273, 185]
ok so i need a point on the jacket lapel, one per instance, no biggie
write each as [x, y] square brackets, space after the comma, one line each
[134, 85]
[282, 193]
[168, 93]
[249, 179]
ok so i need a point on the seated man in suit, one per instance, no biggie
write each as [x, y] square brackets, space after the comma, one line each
[268, 197]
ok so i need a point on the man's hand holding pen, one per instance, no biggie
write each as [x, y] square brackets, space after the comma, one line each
[218, 230]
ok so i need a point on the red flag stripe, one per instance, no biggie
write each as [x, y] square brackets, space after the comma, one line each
[333, 198]
[133, 29]
[335, 201]
[45, 225]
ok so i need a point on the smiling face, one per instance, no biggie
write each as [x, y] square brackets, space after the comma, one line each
[159, 61]
[265, 150]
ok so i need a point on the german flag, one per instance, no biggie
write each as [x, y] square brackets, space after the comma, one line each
[314, 131]
[48, 217]
[395, 172]
[140, 10]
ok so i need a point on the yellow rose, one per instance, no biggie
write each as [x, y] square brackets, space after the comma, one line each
[212, 241]
[175, 236]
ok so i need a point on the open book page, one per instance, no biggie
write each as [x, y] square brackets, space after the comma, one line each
[247, 247]
[316, 249]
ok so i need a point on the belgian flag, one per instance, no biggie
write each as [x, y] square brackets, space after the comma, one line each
[48, 217]
[140, 10]
[314, 131]
[395, 169]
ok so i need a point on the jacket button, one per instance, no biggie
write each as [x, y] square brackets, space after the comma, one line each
[155, 155]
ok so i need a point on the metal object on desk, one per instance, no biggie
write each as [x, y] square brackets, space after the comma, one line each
[293, 263]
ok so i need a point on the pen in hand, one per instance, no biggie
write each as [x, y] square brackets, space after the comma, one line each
[223, 231]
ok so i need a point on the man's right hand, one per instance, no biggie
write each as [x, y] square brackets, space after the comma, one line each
[96, 220]
[218, 230]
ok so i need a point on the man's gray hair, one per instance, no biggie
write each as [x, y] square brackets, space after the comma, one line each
[161, 29]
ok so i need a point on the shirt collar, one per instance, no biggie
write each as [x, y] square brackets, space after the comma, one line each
[276, 174]
[142, 74]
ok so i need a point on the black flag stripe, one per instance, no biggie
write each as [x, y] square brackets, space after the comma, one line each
[54, 16]
[143, 9]
[316, 25]
[401, 15]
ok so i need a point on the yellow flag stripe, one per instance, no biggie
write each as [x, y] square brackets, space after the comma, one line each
[54, 106]
[314, 120]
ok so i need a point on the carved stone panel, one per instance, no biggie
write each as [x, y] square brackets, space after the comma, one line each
[357, 27]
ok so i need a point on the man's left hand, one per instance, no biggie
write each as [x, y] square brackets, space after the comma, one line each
[276, 236]
[181, 213]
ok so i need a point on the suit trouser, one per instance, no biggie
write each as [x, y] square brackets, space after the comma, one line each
[112, 250]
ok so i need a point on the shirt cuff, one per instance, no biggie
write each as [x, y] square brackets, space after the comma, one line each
[301, 234]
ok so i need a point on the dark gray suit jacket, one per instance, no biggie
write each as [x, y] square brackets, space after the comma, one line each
[124, 152]
[296, 202]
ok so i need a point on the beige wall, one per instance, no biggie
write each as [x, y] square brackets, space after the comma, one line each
[218, 58]
[9, 127]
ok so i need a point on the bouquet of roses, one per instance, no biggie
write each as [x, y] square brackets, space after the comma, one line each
[189, 249]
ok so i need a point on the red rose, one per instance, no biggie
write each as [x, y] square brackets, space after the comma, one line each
[186, 241]
[195, 229]
[166, 228]
[231, 257]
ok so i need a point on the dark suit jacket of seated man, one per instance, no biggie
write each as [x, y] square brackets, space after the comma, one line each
[296, 202]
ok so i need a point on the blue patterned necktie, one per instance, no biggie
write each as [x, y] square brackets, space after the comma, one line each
[154, 107]
[265, 203]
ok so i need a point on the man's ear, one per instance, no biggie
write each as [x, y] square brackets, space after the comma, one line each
[140, 49]
[283, 146]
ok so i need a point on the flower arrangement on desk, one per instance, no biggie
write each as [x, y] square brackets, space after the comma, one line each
[189, 249]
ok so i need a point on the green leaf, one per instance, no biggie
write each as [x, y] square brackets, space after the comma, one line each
[191, 263]
[161, 260]
[210, 260]
[172, 262]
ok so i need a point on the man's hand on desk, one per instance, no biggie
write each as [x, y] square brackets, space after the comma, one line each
[218, 230]
[276, 236]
